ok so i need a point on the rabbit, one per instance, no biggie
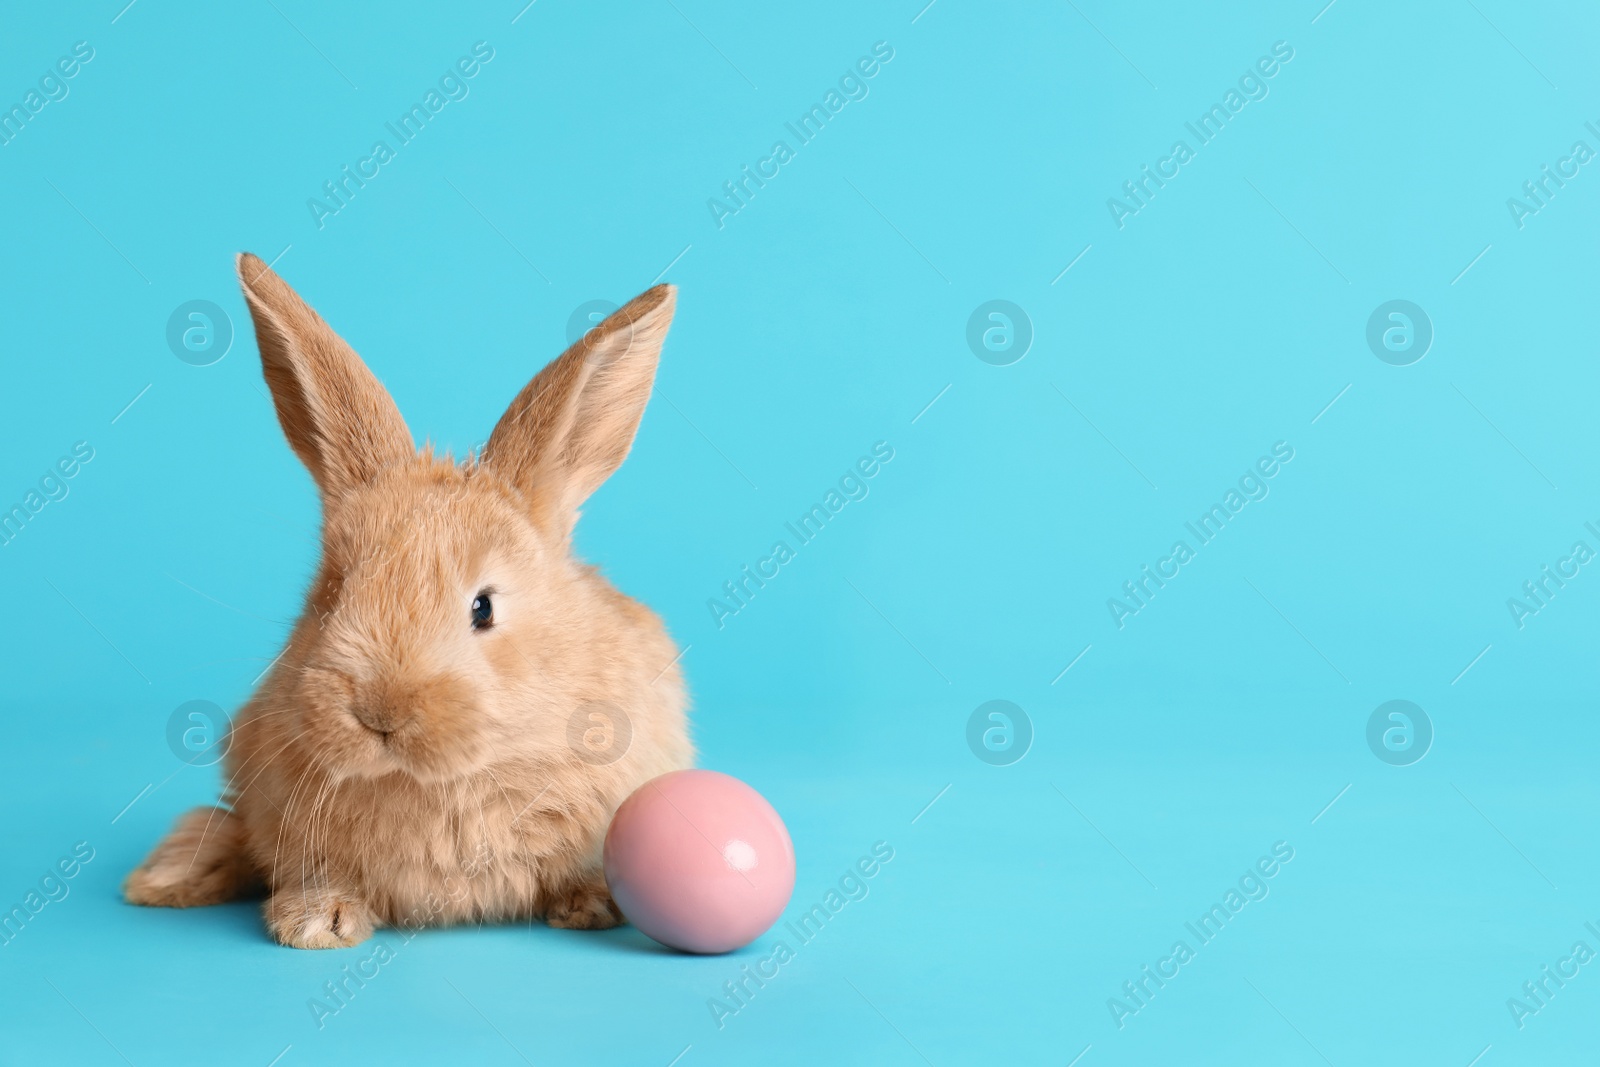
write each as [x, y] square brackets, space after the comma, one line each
[462, 705]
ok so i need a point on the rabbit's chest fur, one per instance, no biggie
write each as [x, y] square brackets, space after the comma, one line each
[474, 849]
[479, 848]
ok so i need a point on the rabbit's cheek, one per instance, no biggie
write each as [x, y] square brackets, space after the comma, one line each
[346, 747]
[329, 729]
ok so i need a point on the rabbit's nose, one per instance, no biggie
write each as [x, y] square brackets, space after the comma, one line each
[385, 708]
[375, 719]
[376, 716]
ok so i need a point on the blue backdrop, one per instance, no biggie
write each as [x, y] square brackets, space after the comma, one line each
[1235, 366]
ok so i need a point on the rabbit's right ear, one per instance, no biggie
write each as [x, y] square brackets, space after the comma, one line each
[338, 418]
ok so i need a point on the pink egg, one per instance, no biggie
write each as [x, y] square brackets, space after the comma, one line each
[699, 861]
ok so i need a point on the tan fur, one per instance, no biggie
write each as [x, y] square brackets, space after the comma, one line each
[397, 767]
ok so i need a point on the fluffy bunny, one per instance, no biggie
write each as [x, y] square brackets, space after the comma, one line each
[462, 705]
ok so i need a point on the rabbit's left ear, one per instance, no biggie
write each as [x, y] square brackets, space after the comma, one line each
[572, 426]
[338, 418]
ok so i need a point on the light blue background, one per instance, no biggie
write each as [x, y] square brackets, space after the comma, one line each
[825, 316]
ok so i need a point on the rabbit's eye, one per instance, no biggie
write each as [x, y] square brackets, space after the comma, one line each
[482, 611]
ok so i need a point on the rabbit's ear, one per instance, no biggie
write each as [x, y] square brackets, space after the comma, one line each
[338, 418]
[573, 424]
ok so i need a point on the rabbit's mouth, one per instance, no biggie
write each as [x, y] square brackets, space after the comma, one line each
[429, 752]
[430, 730]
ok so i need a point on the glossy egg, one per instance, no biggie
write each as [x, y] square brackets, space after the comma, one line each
[699, 861]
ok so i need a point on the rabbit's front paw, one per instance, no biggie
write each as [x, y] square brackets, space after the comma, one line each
[584, 906]
[317, 917]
